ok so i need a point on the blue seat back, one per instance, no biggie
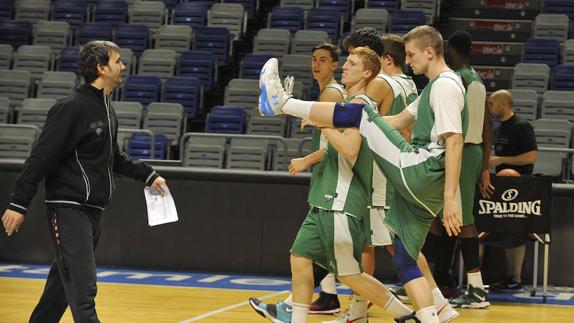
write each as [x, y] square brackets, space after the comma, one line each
[225, 119]
[290, 18]
[142, 89]
[185, 90]
[200, 64]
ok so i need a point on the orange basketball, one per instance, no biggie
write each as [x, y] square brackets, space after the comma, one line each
[507, 172]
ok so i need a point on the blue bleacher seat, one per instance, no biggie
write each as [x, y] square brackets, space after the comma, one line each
[200, 64]
[15, 32]
[402, 21]
[94, 31]
[110, 11]
[559, 7]
[562, 78]
[193, 14]
[6, 9]
[543, 51]
[213, 39]
[325, 19]
[251, 65]
[390, 5]
[343, 6]
[185, 90]
[142, 89]
[225, 119]
[71, 11]
[290, 18]
[68, 60]
[133, 36]
[139, 146]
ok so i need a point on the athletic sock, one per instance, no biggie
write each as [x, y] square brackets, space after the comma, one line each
[396, 308]
[475, 279]
[428, 315]
[300, 313]
[289, 300]
[298, 108]
[358, 307]
[328, 284]
[437, 298]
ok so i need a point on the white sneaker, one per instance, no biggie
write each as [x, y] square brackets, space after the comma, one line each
[273, 95]
[347, 319]
[446, 313]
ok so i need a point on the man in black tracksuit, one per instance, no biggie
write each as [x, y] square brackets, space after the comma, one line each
[77, 153]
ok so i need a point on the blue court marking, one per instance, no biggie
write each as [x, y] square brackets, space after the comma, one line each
[564, 296]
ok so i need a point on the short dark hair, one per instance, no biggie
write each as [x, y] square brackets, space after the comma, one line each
[395, 47]
[94, 53]
[332, 49]
[365, 37]
[461, 42]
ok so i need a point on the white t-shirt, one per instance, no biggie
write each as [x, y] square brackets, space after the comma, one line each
[447, 102]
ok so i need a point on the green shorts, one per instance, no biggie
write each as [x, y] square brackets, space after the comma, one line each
[416, 175]
[376, 232]
[332, 239]
[469, 176]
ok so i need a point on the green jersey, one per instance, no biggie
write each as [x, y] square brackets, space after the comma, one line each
[428, 128]
[408, 87]
[404, 92]
[344, 185]
[476, 99]
[319, 141]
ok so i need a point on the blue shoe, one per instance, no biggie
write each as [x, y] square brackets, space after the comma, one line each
[273, 94]
[277, 313]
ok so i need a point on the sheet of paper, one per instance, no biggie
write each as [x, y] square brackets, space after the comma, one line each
[160, 209]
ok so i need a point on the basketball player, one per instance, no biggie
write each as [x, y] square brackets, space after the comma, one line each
[425, 173]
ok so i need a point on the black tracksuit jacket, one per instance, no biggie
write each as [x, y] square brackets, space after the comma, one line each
[77, 153]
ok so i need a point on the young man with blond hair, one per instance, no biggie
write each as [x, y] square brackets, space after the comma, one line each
[424, 173]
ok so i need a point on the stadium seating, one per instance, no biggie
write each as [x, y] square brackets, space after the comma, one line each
[224, 119]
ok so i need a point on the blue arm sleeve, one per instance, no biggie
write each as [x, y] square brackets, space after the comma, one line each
[347, 115]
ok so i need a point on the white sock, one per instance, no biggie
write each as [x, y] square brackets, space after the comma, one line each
[300, 313]
[428, 315]
[358, 307]
[289, 300]
[437, 298]
[328, 284]
[298, 108]
[396, 308]
[475, 279]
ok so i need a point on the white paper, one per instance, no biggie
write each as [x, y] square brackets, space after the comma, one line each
[160, 209]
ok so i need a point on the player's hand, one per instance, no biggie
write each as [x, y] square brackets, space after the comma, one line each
[451, 221]
[306, 122]
[298, 165]
[12, 221]
[160, 186]
[486, 188]
[495, 161]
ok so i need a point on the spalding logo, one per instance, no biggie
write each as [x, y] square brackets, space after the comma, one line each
[509, 194]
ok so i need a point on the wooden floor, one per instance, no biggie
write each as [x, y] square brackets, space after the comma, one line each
[137, 303]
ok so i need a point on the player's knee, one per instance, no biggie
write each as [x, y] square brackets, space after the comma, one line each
[347, 115]
[405, 266]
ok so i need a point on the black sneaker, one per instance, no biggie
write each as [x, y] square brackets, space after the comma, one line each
[412, 318]
[325, 304]
[508, 286]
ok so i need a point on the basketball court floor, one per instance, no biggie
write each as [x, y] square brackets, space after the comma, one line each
[151, 296]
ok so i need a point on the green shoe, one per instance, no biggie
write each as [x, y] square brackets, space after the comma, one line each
[475, 297]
